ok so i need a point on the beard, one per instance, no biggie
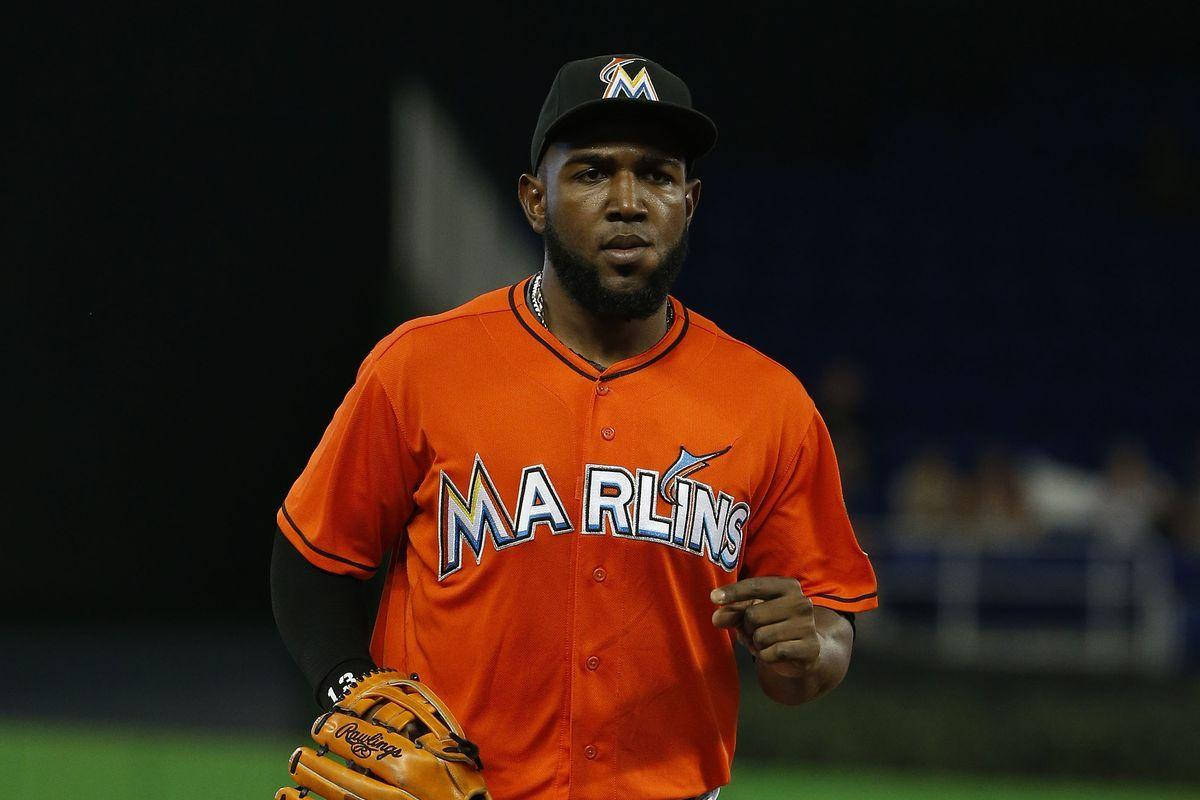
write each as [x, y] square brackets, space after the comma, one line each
[581, 280]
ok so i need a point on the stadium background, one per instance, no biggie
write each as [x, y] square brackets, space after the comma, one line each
[966, 227]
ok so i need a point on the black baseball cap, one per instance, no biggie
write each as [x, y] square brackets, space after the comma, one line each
[595, 86]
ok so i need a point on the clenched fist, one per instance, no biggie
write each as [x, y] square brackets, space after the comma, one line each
[774, 620]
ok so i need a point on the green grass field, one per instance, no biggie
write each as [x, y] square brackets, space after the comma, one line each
[84, 761]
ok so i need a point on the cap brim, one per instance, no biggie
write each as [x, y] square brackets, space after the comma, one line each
[695, 130]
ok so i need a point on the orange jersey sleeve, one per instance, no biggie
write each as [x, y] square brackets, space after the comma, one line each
[805, 531]
[350, 504]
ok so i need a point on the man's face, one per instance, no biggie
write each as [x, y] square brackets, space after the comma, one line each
[618, 204]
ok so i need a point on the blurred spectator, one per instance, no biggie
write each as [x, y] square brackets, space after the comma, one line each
[1061, 497]
[926, 497]
[841, 397]
[1135, 497]
[1185, 516]
[995, 507]
[1185, 538]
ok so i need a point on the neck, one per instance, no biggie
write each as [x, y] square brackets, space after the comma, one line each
[602, 339]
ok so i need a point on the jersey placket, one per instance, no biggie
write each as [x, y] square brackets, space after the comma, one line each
[596, 663]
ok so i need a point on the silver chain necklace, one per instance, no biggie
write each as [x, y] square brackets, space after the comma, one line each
[536, 298]
[538, 305]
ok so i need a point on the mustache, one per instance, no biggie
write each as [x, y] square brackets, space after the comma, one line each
[580, 278]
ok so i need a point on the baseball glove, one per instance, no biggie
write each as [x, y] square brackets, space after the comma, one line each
[399, 740]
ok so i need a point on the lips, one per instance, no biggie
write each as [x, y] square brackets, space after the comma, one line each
[625, 241]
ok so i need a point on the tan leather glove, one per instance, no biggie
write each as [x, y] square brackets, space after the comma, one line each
[400, 742]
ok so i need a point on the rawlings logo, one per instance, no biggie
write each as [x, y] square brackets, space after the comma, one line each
[364, 746]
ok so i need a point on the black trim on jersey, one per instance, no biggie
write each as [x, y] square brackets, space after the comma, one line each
[867, 596]
[512, 291]
[687, 322]
[529, 304]
[318, 550]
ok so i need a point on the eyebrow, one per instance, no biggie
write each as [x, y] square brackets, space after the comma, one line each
[598, 157]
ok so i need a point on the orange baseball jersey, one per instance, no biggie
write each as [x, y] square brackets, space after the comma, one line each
[556, 532]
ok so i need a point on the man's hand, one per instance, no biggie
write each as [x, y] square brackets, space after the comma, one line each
[774, 620]
[801, 652]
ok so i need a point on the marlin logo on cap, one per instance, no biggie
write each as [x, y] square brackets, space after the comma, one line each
[619, 83]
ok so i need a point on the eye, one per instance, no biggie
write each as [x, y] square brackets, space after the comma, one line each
[658, 176]
[590, 175]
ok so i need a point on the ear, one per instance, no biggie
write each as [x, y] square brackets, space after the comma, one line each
[691, 198]
[531, 194]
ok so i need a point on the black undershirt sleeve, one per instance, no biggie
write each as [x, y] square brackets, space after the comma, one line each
[322, 618]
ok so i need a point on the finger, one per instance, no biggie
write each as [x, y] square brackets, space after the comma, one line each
[805, 651]
[333, 781]
[290, 793]
[781, 609]
[762, 587]
[747, 643]
[785, 631]
[730, 616]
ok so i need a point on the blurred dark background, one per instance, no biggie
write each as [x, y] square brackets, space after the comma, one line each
[965, 226]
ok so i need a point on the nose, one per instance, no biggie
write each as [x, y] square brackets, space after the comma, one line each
[624, 199]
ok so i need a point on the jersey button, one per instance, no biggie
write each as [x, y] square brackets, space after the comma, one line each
[593, 662]
[590, 751]
[598, 574]
[603, 389]
[608, 433]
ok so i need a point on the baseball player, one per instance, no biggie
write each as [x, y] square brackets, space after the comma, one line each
[588, 491]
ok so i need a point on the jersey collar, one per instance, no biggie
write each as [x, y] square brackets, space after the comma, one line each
[579, 364]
